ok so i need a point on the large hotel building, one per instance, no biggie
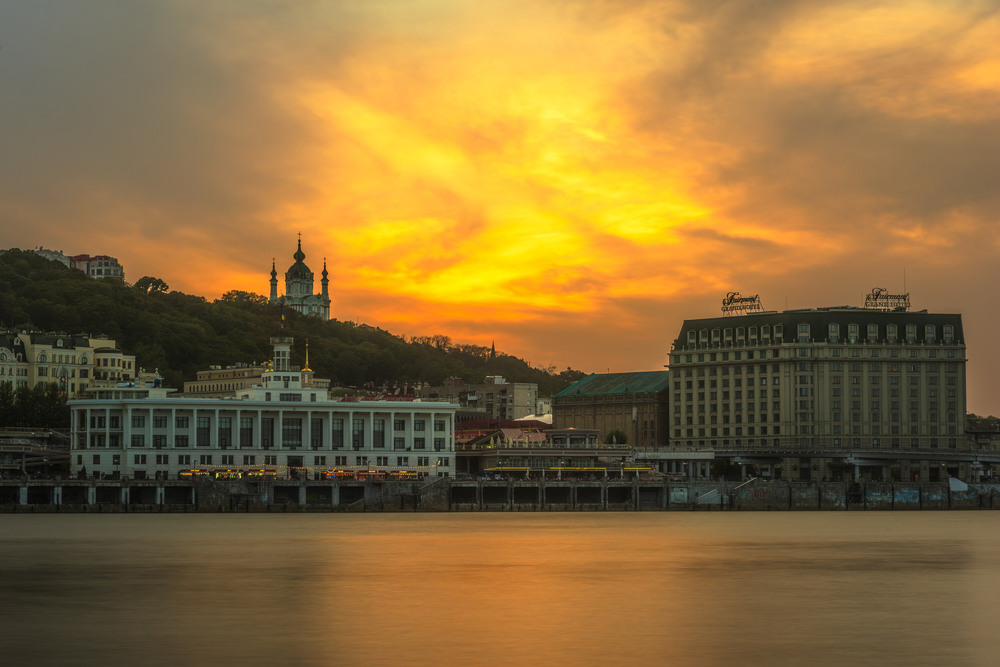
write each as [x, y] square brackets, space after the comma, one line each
[824, 393]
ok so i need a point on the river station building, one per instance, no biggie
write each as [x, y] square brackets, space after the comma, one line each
[836, 393]
[285, 427]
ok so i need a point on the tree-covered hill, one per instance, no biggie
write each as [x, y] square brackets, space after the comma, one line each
[180, 334]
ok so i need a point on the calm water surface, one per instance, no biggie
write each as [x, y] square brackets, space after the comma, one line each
[918, 588]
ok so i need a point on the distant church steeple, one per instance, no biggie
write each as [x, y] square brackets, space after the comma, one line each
[274, 282]
[299, 294]
[493, 350]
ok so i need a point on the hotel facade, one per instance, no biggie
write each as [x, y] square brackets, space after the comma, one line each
[285, 427]
[825, 393]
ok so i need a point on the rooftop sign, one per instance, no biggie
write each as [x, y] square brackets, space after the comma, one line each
[880, 299]
[735, 303]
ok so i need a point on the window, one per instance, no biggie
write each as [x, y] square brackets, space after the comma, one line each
[203, 431]
[337, 432]
[357, 433]
[439, 425]
[138, 440]
[438, 444]
[249, 460]
[182, 422]
[381, 460]
[291, 432]
[228, 459]
[139, 459]
[319, 460]
[402, 460]
[205, 459]
[162, 459]
[399, 443]
[271, 460]
[398, 425]
[159, 422]
[246, 431]
[138, 421]
[418, 425]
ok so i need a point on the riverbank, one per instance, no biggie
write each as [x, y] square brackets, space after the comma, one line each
[444, 494]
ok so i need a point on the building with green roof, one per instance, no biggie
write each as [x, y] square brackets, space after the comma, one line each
[633, 403]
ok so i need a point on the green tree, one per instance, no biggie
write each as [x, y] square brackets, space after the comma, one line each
[616, 436]
[151, 285]
[240, 298]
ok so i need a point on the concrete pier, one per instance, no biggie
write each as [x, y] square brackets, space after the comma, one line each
[446, 494]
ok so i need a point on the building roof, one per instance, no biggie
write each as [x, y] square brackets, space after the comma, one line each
[608, 384]
[819, 320]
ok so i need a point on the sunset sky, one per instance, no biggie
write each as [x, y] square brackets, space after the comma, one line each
[569, 178]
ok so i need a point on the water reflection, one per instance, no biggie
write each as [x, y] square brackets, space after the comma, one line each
[483, 589]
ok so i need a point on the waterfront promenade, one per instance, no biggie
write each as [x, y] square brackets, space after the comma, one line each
[457, 495]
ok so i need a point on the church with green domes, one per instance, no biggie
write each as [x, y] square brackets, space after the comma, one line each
[299, 288]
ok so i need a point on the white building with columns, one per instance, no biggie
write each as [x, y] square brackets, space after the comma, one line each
[286, 426]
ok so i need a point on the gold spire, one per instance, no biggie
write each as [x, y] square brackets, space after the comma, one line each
[307, 369]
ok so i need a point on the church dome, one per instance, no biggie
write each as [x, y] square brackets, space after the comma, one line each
[299, 269]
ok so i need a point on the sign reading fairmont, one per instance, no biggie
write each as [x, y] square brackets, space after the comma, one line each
[880, 299]
[735, 303]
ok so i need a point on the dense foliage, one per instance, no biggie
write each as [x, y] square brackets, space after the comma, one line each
[179, 334]
[43, 406]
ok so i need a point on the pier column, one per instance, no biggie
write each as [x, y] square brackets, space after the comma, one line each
[161, 495]
[541, 497]
[604, 496]
[125, 499]
[91, 495]
[510, 496]
[479, 494]
[336, 495]
[302, 494]
[22, 495]
[57, 495]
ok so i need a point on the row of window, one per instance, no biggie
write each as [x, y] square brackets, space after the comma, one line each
[291, 439]
[180, 422]
[251, 460]
[852, 333]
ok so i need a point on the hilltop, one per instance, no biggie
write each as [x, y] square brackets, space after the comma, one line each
[179, 334]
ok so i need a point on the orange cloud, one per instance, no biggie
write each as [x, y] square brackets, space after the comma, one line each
[561, 176]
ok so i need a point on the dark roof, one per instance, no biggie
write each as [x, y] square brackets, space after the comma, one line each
[607, 384]
[68, 342]
[819, 320]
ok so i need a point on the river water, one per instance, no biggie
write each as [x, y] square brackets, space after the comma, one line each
[778, 588]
